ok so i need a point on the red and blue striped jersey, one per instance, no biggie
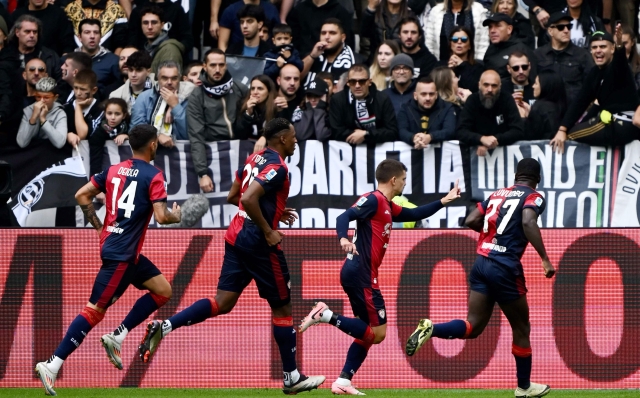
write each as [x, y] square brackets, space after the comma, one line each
[131, 188]
[502, 237]
[373, 230]
[269, 170]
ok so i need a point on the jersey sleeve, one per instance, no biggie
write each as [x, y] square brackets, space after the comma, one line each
[395, 209]
[272, 177]
[482, 206]
[536, 202]
[158, 188]
[366, 207]
[100, 180]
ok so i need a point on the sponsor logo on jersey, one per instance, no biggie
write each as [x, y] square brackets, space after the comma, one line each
[259, 160]
[494, 247]
[538, 202]
[361, 201]
[272, 173]
[114, 229]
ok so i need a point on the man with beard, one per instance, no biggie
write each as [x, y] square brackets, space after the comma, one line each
[164, 106]
[490, 117]
[138, 66]
[519, 69]
[504, 44]
[402, 83]
[289, 95]
[330, 54]
[362, 113]
[104, 62]
[212, 111]
[611, 85]
[251, 19]
[74, 63]
[33, 72]
[411, 36]
[426, 119]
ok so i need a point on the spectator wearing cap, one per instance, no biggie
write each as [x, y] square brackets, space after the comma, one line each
[584, 21]
[44, 119]
[612, 85]
[571, 62]
[402, 83]
[361, 113]
[426, 118]
[503, 44]
[310, 119]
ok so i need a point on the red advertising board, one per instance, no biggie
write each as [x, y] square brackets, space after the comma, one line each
[585, 322]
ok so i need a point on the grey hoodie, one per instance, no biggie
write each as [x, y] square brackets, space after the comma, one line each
[55, 128]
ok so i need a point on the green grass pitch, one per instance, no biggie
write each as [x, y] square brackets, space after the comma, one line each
[256, 392]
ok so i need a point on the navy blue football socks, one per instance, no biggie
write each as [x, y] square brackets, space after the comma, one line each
[455, 329]
[354, 327]
[523, 365]
[355, 357]
[285, 336]
[141, 310]
[76, 333]
[195, 313]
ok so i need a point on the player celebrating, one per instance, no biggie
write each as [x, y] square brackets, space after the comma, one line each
[507, 221]
[374, 213]
[134, 191]
[252, 251]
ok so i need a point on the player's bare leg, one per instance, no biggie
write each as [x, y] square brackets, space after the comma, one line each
[159, 294]
[517, 312]
[197, 312]
[478, 316]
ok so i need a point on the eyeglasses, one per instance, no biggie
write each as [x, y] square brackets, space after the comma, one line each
[516, 68]
[402, 68]
[44, 97]
[562, 26]
[353, 82]
[33, 69]
[463, 39]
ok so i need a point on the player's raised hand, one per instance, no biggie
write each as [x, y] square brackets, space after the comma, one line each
[549, 271]
[348, 246]
[289, 216]
[452, 195]
[274, 237]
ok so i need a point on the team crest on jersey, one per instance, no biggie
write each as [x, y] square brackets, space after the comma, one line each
[361, 201]
[538, 202]
[382, 313]
[269, 176]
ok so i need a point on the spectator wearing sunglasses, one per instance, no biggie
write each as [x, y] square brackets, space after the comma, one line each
[503, 44]
[571, 62]
[360, 113]
[584, 22]
[45, 119]
[34, 70]
[519, 84]
[463, 61]
[445, 17]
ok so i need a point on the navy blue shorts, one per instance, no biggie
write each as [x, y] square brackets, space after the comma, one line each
[367, 304]
[114, 278]
[496, 281]
[267, 267]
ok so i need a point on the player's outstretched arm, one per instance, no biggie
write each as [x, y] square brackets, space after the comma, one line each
[234, 193]
[475, 220]
[251, 203]
[84, 197]
[164, 216]
[532, 232]
[426, 211]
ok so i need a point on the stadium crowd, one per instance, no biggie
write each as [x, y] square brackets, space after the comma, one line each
[377, 71]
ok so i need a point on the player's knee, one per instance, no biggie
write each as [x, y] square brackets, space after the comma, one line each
[523, 330]
[225, 307]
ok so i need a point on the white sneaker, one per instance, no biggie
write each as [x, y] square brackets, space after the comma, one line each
[534, 390]
[47, 377]
[314, 316]
[112, 347]
[339, 389]
[304, 384]
[420, 336]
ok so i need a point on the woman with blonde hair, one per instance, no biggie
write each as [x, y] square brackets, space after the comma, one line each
[447, 86]
[442, 19]
[379, 69]
[256, 109]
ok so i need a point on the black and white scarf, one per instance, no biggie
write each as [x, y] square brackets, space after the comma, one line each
[219, 90]
[133, 96]
[363, 119]
[122, 128]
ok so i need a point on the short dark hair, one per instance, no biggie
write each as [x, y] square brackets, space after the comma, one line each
[528, 168]
[141, 135]
[276, 126]
[87, 76]
[139, 60]
[281, 28]
[426, 80]
[92, 22]
[81, 60]
[251, 11]
[152, 9]
[190, 65]
[517, 54]
[411, 19]
[360, 68]
[389, 168]
[334, 21]
[213, 51]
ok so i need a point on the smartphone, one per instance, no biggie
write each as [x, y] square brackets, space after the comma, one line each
[618, 22]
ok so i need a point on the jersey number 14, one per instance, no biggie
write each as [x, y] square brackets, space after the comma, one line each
[126, 199]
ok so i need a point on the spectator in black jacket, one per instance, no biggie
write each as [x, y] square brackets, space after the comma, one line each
[380, 22]
[282, 51]
[74, 62]
[545, 115]
[504, 44]
[522, 29]
[310, 119]
[412, 44]
[519, 83]
[57, 32]
[490, 117]
[584, 20]
[362, 114]
[571, 62]
[463, 61]
[251, 19]
[426, 118]
[255, 110]
[176, 22]
[290, 94]
[401, 87]
[610, 122]
[24, 43]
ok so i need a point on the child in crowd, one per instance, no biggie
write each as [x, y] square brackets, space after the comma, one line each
[192, 73]
[283, 52]
[44, 119]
